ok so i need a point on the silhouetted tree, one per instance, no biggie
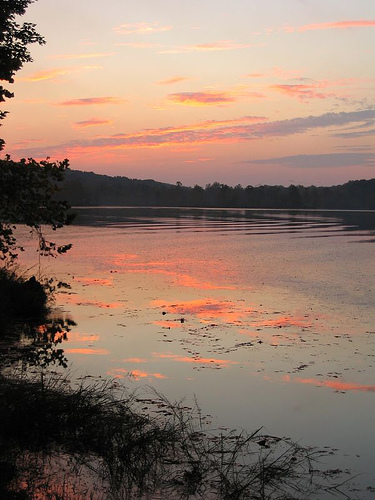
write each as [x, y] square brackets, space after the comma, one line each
[27, 188]
[14, 41]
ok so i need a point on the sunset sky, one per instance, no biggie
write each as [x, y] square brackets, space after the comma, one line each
[241, 91]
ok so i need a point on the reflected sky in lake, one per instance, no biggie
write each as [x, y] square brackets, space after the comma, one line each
[267, 317]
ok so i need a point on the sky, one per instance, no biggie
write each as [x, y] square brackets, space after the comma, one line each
[239, 92]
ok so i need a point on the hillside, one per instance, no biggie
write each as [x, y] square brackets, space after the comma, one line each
[90, 189]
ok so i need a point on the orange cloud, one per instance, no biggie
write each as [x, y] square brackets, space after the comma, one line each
[52, 74]
[175, 79]
[89, 101]
[93, 122]
[141, 28]
[209, 132]
[362, 23]
[93, 55]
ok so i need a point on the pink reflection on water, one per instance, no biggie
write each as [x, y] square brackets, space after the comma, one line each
[338, 385]
[94, 281]
[167, 324]
[284, 321]
[206, 309]
[135, 374]
[80, 301]
[81, 337]
[135, 360]
[96, 352]
[171, 268]
[196, 359]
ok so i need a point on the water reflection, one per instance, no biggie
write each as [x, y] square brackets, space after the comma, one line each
[235, 306]
[37, 343]
[249, 221]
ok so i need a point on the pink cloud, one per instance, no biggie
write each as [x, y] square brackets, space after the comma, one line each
[93, 55]
[93, 122]
[201, 98]
[138, 45]
[362, 23]
[301, 92]
[246, 128]
[175, 79]
[89, 101]
[54, 73]
[141, 28]
[207, 47]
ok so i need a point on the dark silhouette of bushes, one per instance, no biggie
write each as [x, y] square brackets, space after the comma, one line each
[21, 298]
[89, 189]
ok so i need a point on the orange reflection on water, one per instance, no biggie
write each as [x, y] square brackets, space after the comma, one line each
[80, 301]
[80, 337]
[135, 360]
[197, 360]
[167, 324]
[97, 352]
[168, 269]
[284, 321]
[337, 384]
[135, 374]
[189, 281]
[206, 309]
[94, 281]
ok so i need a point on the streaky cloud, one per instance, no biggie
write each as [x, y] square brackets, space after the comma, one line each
[93, 55]
[141, 28]
[361, 23]
[242, 129]
[208, 47]
[328, 160]
[89, 101]
[55, 73]
[174, 79]
[93, 122]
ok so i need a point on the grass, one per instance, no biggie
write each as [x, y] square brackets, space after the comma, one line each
[98, 441]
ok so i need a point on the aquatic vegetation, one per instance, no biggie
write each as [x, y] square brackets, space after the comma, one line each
[100, 441]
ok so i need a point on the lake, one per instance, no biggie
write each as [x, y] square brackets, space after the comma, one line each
[266, 317]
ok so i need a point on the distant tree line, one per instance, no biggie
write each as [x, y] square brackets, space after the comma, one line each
[89, 189]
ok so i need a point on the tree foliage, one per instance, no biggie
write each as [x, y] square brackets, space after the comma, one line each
[27, 196]
[27, 187]
[14, 41]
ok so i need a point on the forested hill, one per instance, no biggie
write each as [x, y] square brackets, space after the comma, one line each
[87, 189]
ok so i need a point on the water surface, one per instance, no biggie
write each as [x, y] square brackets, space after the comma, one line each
[267, 317]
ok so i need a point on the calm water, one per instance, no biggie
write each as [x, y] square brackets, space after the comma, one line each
[267, 317]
